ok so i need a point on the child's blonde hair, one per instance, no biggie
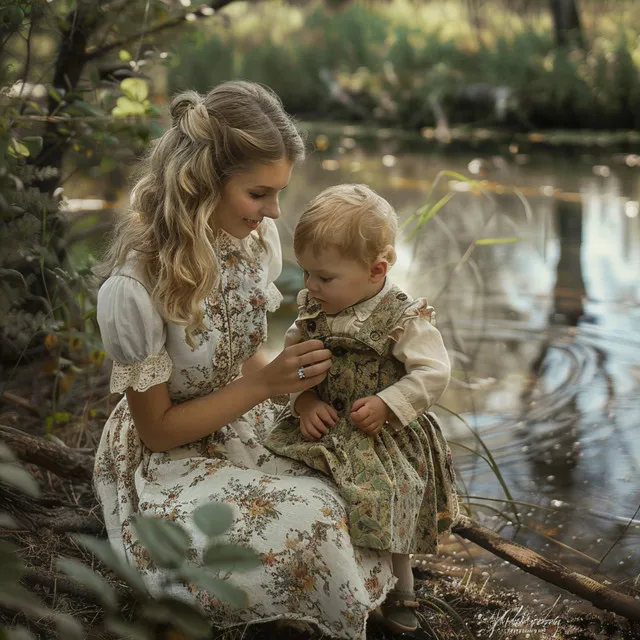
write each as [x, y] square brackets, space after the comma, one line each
[352, 219]
[170, 223]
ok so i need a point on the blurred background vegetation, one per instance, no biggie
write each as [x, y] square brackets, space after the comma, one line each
[515, 121]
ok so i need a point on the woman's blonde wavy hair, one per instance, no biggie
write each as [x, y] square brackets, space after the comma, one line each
[170, 223]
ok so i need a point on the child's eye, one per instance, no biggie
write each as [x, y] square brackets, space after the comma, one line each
[326, 279]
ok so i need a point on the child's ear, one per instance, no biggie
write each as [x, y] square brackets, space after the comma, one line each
[378, 270]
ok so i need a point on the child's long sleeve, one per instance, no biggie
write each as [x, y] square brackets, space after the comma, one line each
[420, 348]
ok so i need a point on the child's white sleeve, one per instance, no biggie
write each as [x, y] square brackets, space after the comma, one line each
[419, 346]
[291, 337]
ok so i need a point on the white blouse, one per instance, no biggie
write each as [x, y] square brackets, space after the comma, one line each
[416, 343]
[147, 350]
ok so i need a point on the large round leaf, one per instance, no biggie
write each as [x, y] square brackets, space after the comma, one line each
[221, 589]
[230, 557]
[166, 541]
[213, 519]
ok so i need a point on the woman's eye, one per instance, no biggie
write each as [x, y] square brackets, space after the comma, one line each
[257, 196]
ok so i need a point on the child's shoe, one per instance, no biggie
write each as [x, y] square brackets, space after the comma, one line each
[398, 610]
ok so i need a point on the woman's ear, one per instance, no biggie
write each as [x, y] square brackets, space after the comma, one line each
[378, 270]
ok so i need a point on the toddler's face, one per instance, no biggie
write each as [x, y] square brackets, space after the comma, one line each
[338, 282]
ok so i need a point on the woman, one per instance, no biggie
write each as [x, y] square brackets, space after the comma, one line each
[183, 314]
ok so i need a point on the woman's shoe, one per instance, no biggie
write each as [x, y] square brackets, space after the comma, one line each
[399, 611]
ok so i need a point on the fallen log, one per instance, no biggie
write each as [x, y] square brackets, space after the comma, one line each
[49, 512]
[550, 571]
[63, 461]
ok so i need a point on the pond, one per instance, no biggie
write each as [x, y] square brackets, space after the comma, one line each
[542, 332]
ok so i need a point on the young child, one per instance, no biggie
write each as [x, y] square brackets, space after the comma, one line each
[365, 425]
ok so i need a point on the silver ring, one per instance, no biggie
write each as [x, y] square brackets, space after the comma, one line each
[301, 373]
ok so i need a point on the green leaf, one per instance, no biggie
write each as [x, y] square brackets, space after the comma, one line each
[221, 589]
[94, 76]
[55, 95]
[7, 522]
[11, 562]
[13, 273]
[485, 241]
[20, 478]
[68, 627]
[128, 630]
[90, 579]
[103, 550]
[213, 519]
[184, 617]
[33, 144]
[230, 557]
[17, 149]
[108, 164]
[18, 633]
[126, 107]
[135, 88]
[17, 598]
[166, 541]
[124, 55]
[6, 455]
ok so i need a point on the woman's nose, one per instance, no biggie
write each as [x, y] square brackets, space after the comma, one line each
[272, 210]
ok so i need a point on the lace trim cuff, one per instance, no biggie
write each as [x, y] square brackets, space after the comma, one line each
[140, 376]
[274, 297]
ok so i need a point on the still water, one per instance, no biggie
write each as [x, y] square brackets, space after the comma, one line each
[542, 331]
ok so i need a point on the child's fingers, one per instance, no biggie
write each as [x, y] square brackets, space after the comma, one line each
[333, 413]
[309, 431]
[326, 417]
[358, 404]
[316, 421]
[361, 414]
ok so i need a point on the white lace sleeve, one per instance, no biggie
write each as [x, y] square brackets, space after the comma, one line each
[133, 333]
[274, 264]
[140, 376]
[274, 297]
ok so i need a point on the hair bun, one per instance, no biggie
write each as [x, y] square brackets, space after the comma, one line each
[182, 104]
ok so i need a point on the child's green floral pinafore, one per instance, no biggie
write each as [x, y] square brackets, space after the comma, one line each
[399, 486]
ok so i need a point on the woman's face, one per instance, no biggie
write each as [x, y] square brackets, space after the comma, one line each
[251, 196]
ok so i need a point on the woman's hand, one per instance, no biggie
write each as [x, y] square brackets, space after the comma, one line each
[316, 416]
[281, 375]
[370, 414]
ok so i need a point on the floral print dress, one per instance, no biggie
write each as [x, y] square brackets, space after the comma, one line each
[399, 486]
[293, 516]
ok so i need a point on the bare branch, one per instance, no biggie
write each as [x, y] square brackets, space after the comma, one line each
[202, 12]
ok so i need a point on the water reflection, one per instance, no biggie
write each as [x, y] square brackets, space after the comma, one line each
[541, 332]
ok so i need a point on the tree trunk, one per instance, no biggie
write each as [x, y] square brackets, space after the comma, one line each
[566, 22]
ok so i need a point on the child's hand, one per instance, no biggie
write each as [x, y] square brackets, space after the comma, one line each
[369, 414]
[316, 417]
